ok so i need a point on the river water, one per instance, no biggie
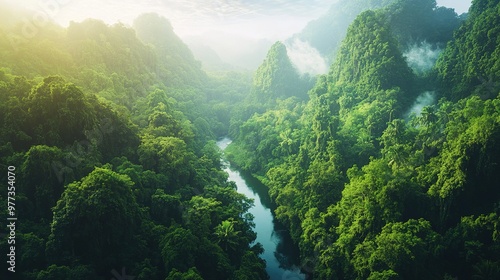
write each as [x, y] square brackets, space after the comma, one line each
[280, 254]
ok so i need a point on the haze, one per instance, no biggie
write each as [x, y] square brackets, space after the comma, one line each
[239, 31]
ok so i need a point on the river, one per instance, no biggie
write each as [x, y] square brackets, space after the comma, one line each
[280, 254]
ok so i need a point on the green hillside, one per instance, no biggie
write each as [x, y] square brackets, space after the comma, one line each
[370, 192]
[386, 167]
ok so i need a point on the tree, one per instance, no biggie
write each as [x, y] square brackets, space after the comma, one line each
[384, 275]
[32, 252]
[226, 235]
[277, 78]
[165, 208]
[66, 112]
[252, 267]
[44, 178]
[202, 214]
[168, 156]
[401, 249]
[191, 274]
[55, 272]
[90, 218]
[179, 249]
[470, 62]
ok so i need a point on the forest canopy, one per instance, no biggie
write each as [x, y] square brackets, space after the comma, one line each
[110, 133]
[385, 167]
[388, 170]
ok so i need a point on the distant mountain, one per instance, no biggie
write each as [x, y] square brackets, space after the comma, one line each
[277, 78]
[208, 57]
[412, 22]
[251, 57]
[157, 31]
[477, 39]
[240, 52]
[309, 52]
[326, 32]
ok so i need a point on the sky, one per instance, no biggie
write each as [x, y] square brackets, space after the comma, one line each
[224, 25]
[269, 19]
[254, 18]
[460, 6]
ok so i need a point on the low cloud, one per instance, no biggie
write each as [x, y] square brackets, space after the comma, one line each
[306, 58]
[426, 98]
[422, 57]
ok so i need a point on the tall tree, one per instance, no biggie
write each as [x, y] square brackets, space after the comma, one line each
[97, 216]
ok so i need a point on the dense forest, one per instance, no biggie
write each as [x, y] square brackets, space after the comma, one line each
[110, 133]
[386, 167]
[389, 169]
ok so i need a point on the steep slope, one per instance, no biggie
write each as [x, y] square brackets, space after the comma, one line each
[470, 63]
[182, 68]
[412, 22]
[326, 33]
[370, 193]
[108, 142]
[277, 78]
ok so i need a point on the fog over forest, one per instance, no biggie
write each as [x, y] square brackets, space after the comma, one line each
[191, 140]
[239, 32]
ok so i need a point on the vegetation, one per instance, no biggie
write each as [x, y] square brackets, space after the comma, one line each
[111, 137]
[370, 191]
[111, 132]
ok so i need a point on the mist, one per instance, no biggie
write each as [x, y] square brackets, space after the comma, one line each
[422, 57]
[305, 58]
[426, 98]
[238, 52]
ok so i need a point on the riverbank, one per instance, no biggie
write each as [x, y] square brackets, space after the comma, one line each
[280, 253]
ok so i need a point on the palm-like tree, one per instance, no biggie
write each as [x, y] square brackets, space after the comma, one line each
[486, 270]
[227, 237]
[427, 116]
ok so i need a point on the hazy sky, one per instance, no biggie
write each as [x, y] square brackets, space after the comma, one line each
[224, 25]
[460, 6]
[254, 18]
[271, 19]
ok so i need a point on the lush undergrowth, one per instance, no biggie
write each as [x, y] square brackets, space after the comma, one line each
[109, 131]
[389, 169]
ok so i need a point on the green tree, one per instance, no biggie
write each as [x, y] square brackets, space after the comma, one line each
[165, 208]
[90, 218]
[470, 62]
[226, 235]
[251, 268]
[66, 112]
[54, 272]
[277, 78]
[179, 249]
[190, 274]
[169, 156]
[44, 180]
[406, 248]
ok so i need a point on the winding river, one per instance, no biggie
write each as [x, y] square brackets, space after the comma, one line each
[280, 254]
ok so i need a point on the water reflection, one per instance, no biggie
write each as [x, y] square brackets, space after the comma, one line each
[280, 254]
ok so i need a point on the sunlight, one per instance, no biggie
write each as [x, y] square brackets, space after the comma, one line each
[250, 139]
[231, 28]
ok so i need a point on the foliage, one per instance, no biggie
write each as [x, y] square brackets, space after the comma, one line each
[277, 78]
[470, 63]
[369, 191]
[111, 130]
[327, 32]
